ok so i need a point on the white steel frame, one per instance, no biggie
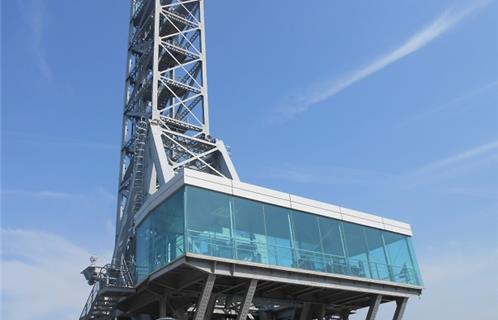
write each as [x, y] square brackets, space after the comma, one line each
[166, 114]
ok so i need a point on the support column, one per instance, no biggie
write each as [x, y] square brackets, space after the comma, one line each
[305, 311]
[163, 307]
[210, 308]
[374, 307]
[400, 308]
[246, 302]
[202, 304]
[266, 315]
[345, 315]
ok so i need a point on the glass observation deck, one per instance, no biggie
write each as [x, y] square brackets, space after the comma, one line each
[215, 224]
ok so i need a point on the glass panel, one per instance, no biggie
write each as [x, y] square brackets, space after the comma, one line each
[356, 249]
[249, 230]
[377, 254]
[278, 236]
[402, 266]
[418, 276]
[142, 265]
[225, 226]
[167, 225]
[333, 247]
[307, 241]
[160, 237]
[209, 223]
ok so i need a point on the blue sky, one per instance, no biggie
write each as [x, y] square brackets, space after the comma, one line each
[387, 107]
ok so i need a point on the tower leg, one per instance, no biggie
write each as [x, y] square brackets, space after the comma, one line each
[345, 315]
[400, 308]
[210, 308]
[203, 302]
[163, 308]
[374, 307]
[305, 312]
[246, 303]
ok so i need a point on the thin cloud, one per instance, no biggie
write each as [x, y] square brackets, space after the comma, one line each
[34, 262]
[475, 192]
[447, 20]
[40, 194]
[36, 138]
[454, 165]
[460, 162]
[450, 105]
[332, 176]
[34, 14]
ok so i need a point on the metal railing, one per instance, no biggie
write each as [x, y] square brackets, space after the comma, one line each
[90, 300]
[274, 254]
[108, 276]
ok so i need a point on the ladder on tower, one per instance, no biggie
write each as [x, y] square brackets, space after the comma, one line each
[139, 164]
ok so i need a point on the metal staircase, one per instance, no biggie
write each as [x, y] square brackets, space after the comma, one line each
[110, 285]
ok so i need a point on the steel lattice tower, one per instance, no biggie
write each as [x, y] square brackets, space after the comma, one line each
[166, 113]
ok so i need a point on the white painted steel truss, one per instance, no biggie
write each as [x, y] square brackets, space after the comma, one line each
[166, 115]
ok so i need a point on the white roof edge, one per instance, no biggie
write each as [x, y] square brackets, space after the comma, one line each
[262, 194]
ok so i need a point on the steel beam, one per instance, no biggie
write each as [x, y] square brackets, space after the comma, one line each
[246, 302]
[305, 312]
[400, 308]
[163, 307]
[374, 307]
[344, 315]
[204, 298]
[210, 307]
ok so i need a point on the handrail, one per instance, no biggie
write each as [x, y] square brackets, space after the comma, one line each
[108, 276]
[90, 300]
[306, 259]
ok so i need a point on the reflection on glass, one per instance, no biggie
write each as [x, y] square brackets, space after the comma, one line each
[160, 238]
[249, 231]
[209, 223]
[278, 236]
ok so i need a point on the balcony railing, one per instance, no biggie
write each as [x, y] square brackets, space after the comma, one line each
[286, 256]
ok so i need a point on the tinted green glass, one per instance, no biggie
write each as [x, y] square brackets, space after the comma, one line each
[278, 236]
[307, 241]
[208, 212]
[402, 266]
[160, 238]
[231, 227]
[416, 271]
[249, 230]
[209, 222]
[356, 250]
[142, 263]
[333, 245]
[377, 254]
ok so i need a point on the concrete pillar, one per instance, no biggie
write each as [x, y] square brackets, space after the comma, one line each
[374, 307]
[203, 302]
[400, 308]
[246, 302]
